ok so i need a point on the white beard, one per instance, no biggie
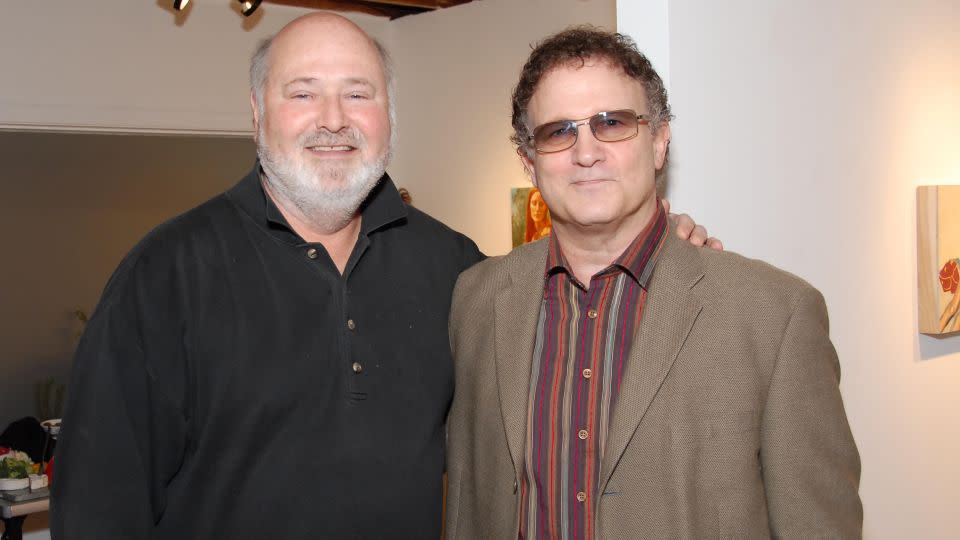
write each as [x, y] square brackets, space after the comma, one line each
[327, 195]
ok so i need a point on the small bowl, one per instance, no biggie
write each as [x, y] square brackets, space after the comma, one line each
[38, 481]
[10, 484]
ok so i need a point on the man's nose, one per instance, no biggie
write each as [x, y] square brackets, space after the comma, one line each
[587, 150]
[330, 115]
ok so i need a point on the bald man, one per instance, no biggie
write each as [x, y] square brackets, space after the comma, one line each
[274, 363]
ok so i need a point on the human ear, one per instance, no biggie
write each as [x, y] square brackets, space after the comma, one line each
[528, 166]
[661, 142]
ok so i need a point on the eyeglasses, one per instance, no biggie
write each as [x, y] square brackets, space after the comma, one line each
[607, 126]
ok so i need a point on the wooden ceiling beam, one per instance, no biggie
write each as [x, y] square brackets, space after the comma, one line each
[383, 8]
[349, 6]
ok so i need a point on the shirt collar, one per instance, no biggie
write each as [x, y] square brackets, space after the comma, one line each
[381, 208]
[637, 261]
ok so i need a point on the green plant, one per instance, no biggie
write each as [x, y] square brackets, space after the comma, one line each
[18, 466]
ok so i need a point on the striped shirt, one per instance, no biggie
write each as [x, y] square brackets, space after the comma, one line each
[582, 344]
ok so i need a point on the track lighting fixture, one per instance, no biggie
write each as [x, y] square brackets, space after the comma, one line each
[247, 7]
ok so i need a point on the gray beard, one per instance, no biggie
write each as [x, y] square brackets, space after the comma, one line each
[327, 196]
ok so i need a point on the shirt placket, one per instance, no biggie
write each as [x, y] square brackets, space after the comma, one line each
[585, 367]
[350, 327]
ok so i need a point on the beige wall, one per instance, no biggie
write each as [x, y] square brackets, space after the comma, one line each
[802, 131]
[135, 65]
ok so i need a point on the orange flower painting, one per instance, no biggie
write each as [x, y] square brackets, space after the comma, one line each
[938, 260]
[950, 276]
[949, 280]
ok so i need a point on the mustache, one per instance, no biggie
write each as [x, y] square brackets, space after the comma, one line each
[321, 137]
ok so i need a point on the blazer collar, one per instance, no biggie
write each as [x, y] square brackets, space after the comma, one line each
[517, 313]
[671, 308]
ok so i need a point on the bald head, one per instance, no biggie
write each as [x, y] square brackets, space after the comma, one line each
[316, 34]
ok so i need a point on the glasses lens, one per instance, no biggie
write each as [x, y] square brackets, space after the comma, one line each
[555, 136]
[614, 125]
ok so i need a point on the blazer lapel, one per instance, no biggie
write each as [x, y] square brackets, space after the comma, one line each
[669, 313]
[515, 320]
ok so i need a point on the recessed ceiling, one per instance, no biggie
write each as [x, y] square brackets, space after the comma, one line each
[383, 8]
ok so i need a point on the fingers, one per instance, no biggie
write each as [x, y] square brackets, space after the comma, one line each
[688, 230]
[714, 243]
[698, 236]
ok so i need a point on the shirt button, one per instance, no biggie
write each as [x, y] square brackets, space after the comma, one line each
[351, 325]
[592, 313]
[581, 496]
[587, 373]
[357, 368]
[583, 434]
[312, 253]
[514, 486]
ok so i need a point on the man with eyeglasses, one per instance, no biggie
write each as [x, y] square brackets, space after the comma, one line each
[613, 382]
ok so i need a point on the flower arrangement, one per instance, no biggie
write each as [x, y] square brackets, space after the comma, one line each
[18, 471]
[15, 464]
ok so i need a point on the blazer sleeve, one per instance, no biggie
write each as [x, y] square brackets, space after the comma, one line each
[811, 468]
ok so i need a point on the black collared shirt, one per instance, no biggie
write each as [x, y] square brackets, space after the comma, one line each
[233, 384]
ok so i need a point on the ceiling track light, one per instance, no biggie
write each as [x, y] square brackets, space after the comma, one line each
[247, 7]
[179, 5]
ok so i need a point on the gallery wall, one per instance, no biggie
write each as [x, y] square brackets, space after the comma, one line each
[135, 65]
[802, 131]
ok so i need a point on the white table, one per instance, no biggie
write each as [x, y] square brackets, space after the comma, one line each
[15, 512]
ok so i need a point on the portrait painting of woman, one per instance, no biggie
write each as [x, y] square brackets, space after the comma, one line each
[531, 217]
[538, 217]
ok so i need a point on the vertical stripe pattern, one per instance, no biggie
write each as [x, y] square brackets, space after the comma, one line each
[580, 353]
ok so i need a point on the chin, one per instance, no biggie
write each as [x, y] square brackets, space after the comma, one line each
[594, 217]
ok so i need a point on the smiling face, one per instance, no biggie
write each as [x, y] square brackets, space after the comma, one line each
[596, 186]
[323, 135]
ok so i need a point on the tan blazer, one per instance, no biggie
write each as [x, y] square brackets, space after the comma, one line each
[729, 423]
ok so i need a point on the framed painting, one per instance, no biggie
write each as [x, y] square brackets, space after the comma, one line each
[529, 216]
[938, 265]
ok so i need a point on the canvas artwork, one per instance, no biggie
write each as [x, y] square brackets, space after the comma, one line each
[938, 250]
[530, 218]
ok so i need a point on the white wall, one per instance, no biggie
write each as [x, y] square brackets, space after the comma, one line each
[122, 65]
[802, 130]
[457, 70]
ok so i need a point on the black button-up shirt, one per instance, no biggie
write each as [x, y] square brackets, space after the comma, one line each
[233, 384]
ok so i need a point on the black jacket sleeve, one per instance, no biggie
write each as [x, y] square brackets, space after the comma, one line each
[124, 432]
